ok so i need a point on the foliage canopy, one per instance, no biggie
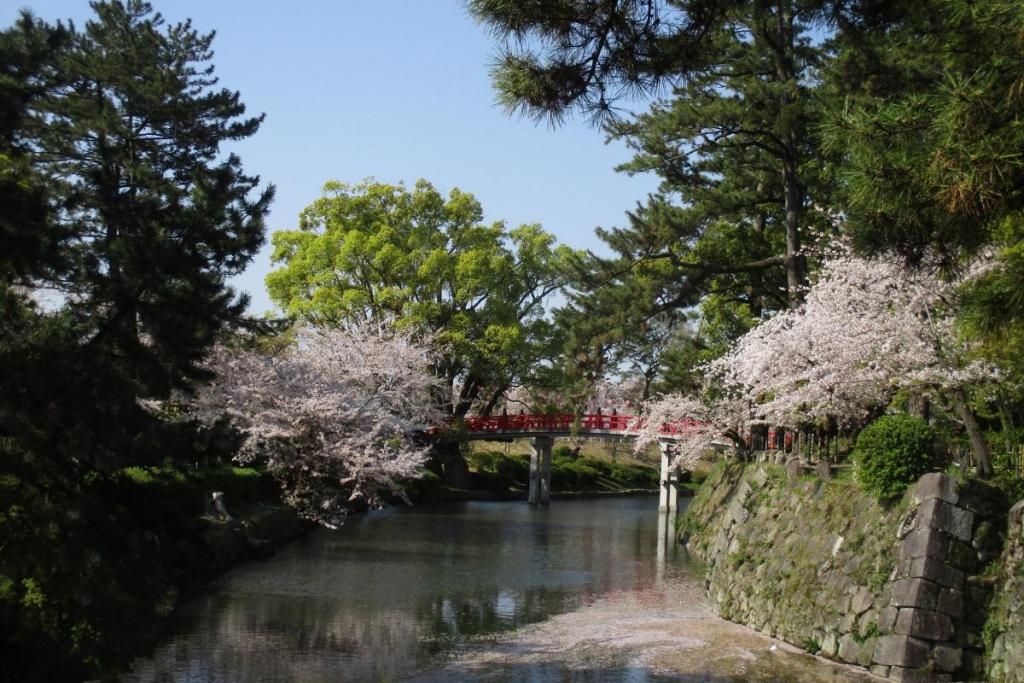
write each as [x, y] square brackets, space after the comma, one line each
[375, 251]
[123, 218]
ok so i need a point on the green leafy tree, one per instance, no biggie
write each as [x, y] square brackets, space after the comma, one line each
[375, 251]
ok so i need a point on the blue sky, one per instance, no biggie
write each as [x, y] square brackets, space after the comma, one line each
[396, 90]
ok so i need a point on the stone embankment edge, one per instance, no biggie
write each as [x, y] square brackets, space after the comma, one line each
[1004, 631]
[921, 623]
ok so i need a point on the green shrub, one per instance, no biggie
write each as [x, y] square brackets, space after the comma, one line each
[564, 453]
[161, 487]
[1007, 476]
[602, 467]
[634, 476]
[239, 484]
[514, 468]
[190, 489]
[563, 476]
[484, 461]
[576, 474]
[892, 453]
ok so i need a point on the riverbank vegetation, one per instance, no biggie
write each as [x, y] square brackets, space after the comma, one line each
[502, 472]
[569, 472]
[123, 217]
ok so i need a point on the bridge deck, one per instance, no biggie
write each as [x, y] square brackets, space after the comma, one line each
[503, 427]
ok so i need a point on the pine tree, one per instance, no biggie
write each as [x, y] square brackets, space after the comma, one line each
[116, 196]
[933, 147]
[732, 143]
[928, 129]
[29, 239]
[130, 134]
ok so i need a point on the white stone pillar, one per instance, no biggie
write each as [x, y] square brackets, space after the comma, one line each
[540, 470]
[668, 499]
[664, 446]
[535, 457]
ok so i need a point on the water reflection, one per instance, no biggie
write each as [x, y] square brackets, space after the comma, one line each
[389, 593]
[666, 544]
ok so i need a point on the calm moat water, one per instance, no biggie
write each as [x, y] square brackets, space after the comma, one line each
[579, 591]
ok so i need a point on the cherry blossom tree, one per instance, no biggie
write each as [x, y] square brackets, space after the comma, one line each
[706, 424]
[623, 394]
[335, 415]
[866, 329]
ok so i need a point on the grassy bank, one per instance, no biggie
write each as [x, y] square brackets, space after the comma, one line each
[258, 520]
[504, 474]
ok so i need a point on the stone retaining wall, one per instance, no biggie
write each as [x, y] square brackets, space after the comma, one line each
[1005, 628]
[825, 567]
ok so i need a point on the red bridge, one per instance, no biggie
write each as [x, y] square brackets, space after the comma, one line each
[543, 429]
[501, 427]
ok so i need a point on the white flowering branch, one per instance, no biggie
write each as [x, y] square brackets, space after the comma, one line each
[335, 415]
[866, 329]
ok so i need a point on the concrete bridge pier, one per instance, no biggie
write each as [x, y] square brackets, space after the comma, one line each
[540, 470]
[668, 498]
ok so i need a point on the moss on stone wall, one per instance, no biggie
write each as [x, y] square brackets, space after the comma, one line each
[1004, 630]
[826, 567]
[805, 561]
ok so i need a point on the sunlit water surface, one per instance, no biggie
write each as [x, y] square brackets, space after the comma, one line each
[437, 593]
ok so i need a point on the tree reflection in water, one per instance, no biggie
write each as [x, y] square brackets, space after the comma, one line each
[392, 593]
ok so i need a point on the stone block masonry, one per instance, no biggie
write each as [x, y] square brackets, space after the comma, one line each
[899, 590]
[1004, 631]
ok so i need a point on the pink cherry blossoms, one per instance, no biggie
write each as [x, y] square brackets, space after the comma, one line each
[866, 329]
[624, 394]
[712, 422]
[334, 415]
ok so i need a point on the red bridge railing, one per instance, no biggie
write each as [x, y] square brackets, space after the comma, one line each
[628, 424]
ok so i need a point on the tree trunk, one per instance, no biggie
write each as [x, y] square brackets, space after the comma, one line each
[792, 192]
[488, 407]
[1006, 423]
[648, 381]
[446, 461]
[794, 260]
[919, 406]
[983, 461]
